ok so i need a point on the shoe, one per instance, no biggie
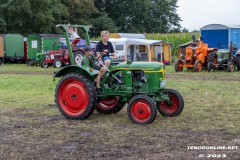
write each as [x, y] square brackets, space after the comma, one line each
[99, 91]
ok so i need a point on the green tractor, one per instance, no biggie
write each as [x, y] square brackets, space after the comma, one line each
[140, 84]
[224, 59]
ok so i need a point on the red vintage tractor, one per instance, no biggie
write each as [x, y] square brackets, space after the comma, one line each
[57, 58]
[61, 58]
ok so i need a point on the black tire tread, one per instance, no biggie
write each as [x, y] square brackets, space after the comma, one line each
[210, 66]
[176, 65]
[91, 91]
[117, 108]
[181, 104]
[229, 66]
[196, 65]
[55, 61]
[41, 64]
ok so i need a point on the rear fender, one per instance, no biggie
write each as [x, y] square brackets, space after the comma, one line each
[88, 72]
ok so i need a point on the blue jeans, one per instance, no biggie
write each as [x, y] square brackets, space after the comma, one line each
[106, 58]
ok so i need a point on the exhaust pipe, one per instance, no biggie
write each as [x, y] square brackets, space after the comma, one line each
[231, 50]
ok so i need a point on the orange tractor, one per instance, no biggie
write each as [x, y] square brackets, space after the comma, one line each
[193, 56]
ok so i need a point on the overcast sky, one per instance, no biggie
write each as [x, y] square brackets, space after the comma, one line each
[198, 13]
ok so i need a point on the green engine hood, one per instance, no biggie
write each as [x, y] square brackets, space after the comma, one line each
[222, 55]
[147, 66]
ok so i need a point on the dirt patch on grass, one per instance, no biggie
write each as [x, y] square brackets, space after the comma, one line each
[34, 134]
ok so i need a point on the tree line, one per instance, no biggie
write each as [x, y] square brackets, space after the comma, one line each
[127, 16]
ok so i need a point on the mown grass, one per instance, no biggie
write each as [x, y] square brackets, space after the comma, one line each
[31, 121]
[209, 104]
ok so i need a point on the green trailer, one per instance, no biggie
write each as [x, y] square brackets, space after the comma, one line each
[13, 47]
[40, 43]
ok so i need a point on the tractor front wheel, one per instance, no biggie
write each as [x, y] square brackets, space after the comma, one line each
[210, 66]
[198, 66]
[175, 105]
[109, 105]
[142, 110]
[44, 64]
[75, 96]
[178, 65]
[57, 63]
[230, 67]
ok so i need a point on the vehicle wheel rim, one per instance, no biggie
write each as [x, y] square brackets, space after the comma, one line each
[199, 67]
[180, 67]
[170, 108]
[73, 97]
[45, 65]
[58, 64]
[141, 111]
[108, 103]
[78, 59]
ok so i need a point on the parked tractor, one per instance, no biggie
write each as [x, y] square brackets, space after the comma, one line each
[195, 56]
[61, 57]
[140, 84]
[56, 58]
[224, 59]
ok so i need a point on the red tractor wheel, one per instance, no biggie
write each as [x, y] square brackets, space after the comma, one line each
[178, 65]
[198, 66]
[75, 96]
[109, 105]
[142, 110]
[44, 64]
[172, 108]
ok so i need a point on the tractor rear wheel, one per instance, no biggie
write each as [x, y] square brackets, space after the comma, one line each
[175, 107]
[75, 96]
[230, 67]
[109, 105]
[44, 64]
[57, 63]
[1, 61]
[78, 56]
[178, 65]
[198, 66]
[238, 61]
[210, 66]
[142, 110]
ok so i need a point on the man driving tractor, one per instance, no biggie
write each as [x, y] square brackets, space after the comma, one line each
[104, 48]
[89, 60]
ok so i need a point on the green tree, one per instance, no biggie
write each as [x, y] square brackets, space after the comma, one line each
[102, 22]
[32, 16]
[149, 16]
[80, 11]
[129, 16]
[163, 17]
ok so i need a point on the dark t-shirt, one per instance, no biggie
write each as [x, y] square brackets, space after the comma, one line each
[101, 47]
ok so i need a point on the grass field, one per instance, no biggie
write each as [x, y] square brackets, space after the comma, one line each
[31, 126]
